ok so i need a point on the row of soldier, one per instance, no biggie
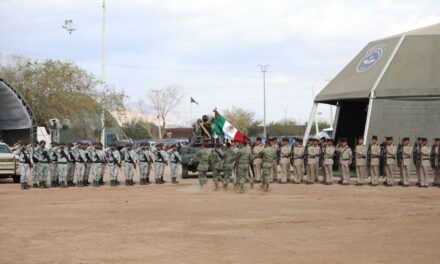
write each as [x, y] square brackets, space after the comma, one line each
[64, 163]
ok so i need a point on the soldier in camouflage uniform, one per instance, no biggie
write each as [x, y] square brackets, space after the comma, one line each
[285, 155]
[244, 157]
[160, 161]
[63, 159]
[26, 164]
[416, 158]
[216, 162]
[97, 159]
[87, 165]
[146, 161]
[43, 163]
[257, 161]
[228, 164]
[115, 163]
[80, 157]
[130, 160]
[298, 161]
[203, 157]
[53, 166]
[268, 154]
[175, 161]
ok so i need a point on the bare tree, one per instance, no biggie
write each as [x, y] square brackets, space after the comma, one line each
[146, 124]
[164, 100]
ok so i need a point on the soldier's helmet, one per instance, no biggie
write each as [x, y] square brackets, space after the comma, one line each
[42, 142]
[205, 118]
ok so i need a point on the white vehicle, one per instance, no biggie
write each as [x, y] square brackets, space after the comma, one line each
[8, 164]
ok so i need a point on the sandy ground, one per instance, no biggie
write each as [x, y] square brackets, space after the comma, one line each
[182, 224]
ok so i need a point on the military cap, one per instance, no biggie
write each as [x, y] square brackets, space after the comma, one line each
[405, 139]
[374, 137]
[258, 139]
[424, 139]
[419, 138]
[360, 137]
[299, 140]
[437, 139]
[42, 142]
[114, 145]
[285, 139]
[343, 139]
[329, 140]
[389, 138]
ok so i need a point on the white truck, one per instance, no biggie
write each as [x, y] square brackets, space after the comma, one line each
[8, 164]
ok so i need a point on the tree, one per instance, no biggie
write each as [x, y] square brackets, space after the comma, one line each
[138, 129]
[56, 89]
[241, 118]
[164, 100]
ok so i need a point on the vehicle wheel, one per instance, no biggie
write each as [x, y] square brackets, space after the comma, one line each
[16, 179]
[184, 172]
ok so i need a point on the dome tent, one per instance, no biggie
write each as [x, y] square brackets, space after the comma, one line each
[391, 88]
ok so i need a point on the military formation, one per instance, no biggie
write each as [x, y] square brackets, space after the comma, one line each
[63, 163]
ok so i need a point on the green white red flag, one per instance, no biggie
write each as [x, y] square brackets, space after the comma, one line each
[223, 128]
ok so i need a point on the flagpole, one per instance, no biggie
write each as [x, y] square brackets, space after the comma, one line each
[191, 112]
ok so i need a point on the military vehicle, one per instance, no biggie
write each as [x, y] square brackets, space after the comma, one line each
[203, 131]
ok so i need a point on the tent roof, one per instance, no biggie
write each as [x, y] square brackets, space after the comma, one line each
[14, 113]
[403, 65]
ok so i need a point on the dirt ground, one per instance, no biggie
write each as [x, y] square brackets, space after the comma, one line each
[182, 224]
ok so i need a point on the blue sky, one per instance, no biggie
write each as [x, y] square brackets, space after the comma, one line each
[212, 48]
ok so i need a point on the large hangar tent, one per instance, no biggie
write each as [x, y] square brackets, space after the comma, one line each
[391, 88]
[16, 119]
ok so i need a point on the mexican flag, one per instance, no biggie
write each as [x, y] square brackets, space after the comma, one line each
[225, 129]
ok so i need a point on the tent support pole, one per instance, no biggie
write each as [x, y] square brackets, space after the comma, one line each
[310, 122]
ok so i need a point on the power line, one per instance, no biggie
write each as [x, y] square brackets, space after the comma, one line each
[18, 20]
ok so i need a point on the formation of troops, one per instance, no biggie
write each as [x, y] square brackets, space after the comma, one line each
[64, 163]
[234, 162]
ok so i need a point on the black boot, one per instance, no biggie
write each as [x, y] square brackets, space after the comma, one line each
[45, 185]
[41, 185]
[127, 183]
[117, 182]
[101, 181]
[23, 186]
[34, 185]
[86, 183]
[157, 181]
[132, 182]
[62, 185]
[27, 185]
[147, 181]
[174, 179]
[161, 180]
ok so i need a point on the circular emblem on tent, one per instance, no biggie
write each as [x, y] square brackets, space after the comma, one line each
[230, 129]
[371, 58]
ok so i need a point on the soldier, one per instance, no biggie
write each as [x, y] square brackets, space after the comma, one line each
[216, 162]
[146, 160]
[235, 148]
[391, 152]
[31, 149]
[130, 160]
[257, 161]
[43, 166]
[175, 160]
[26, 164]
[360, 159]
[374, 156]
[268, 155]
[425, 164]
[115, 163]
[228, 164]
[313, 153]
[244, 157]
[103, 164]
[80, 157]
[298, 161]
[329, 152]
[417, 154]
[87, 165]
[436, 161]
[203, 157]
[159, 163]
[97, 159]
[405, 164]
[345, 157]
[63, 159]
[70, 166]
[285, 155]
[53, 166]
[274, 171]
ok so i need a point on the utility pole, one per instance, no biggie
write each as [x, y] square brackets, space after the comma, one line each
[285, 115]
[263, 69]
[103, 74]
[157, 109]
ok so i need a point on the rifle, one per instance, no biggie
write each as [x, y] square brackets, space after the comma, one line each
[115, 161]
[399, 155]
[322, 156]
[26, 159]
[432, 156]
[46, 156]
[306, 154]
[131, 160]
[383, 157]
[161, 157]
[369, 156]
[177, 159]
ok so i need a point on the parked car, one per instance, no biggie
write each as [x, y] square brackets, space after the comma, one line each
[8, 164]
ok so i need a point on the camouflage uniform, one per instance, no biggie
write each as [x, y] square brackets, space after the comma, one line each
[203, 157]
[268, 154]
[146, 160]
[175, 159]
[216, 162]
[25, 165]
[244, 156]
[228, 165]
[159, 164]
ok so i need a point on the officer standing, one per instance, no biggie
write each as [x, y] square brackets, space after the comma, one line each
[425, 164]
[417, 154]
[53, 166]
[268, 154]
[203, 157]
[391, 152]
[159, 163]
[228, 164]
[130, 160]
[257, 161]
[63, 159]
[88, 164]
[285, 155]
[345, 157]
[244, 157]
[115, 163]
[298, 161]
[313, 152]
[216, 162]
[235, 148]
[329, 152]
[436, 162]
[103, 164]
[43, 164]
[175, 162]
[80, 157]
[146, 160]
[374, 156]
[405, 164]
[97, 159]
[274, 171]
[360, 158]
[34, 157]
[70, 166]
[26, 164]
